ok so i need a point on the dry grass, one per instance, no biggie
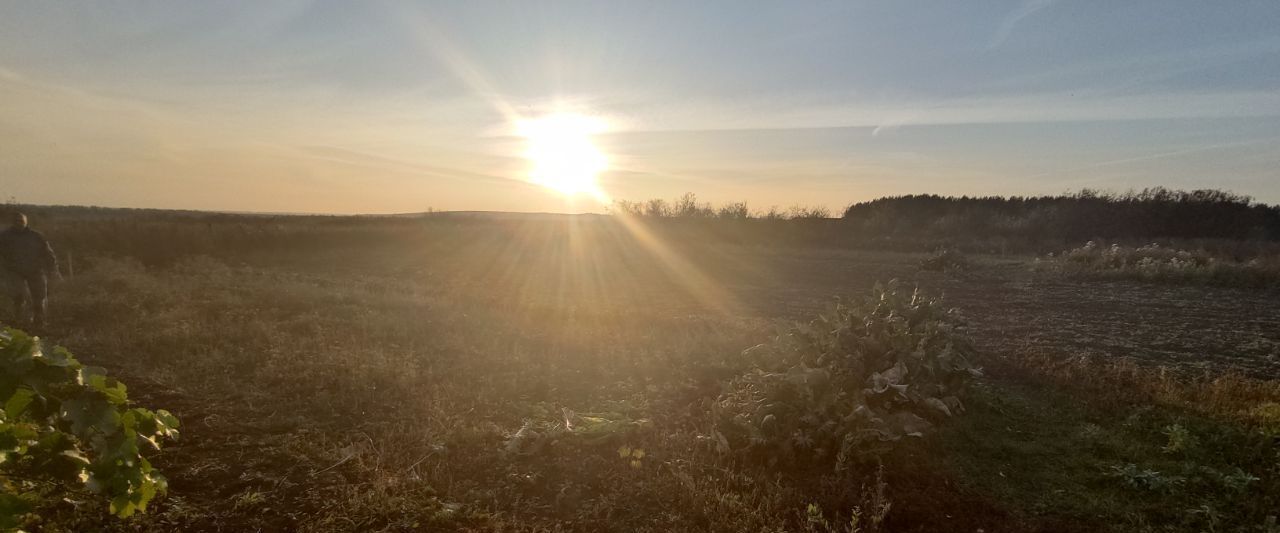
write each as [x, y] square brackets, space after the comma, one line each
[1153, 262]
[1229, 396]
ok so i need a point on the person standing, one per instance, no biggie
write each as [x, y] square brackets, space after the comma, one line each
[29, 261]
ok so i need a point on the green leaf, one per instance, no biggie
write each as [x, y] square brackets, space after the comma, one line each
[122, 506]
[112, 389]
[80, 432]
[18, 403]
[168, 423]
[89, 410]
[60, 357]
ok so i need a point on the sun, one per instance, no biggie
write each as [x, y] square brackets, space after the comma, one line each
[560, 152]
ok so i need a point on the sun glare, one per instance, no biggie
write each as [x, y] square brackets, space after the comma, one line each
[561, 155]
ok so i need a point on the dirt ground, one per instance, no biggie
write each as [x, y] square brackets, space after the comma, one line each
[1011, 307]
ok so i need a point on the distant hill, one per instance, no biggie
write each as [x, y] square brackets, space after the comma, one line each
[91, 212]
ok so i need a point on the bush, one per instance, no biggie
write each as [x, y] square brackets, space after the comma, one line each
[849, 383]
[67, 427]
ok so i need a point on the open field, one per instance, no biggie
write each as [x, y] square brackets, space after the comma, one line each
[545, 267]
[365, 374]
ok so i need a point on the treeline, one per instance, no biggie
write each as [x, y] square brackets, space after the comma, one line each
[688, 206]
[994, 223]
[1153, 213]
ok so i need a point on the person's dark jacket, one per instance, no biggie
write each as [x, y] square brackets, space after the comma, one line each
[25, 251]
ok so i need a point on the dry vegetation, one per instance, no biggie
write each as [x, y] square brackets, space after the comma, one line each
[542, 374]
[1153, 262]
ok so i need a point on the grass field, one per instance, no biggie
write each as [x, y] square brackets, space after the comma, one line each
[372, 374]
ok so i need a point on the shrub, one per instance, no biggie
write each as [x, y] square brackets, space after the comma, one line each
[734, 211]
[804, 212]
[68, 427]
[848, 383]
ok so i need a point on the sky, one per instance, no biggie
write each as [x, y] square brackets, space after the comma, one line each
[391, 107]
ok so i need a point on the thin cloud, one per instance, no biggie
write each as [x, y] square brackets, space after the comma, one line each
[1155, 156]
[374, 161]
[1049, 107]
[1006, 26]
